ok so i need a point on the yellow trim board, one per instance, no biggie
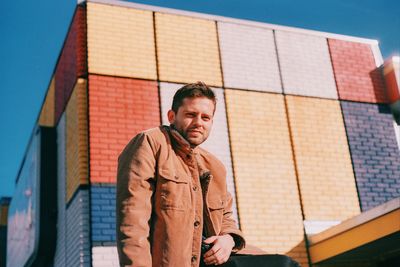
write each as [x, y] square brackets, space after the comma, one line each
[360, 235]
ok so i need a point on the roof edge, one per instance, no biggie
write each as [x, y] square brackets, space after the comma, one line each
[234, 20]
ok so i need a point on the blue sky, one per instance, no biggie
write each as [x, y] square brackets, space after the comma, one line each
[33, 33]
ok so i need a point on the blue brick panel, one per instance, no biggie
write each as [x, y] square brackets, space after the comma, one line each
[374, 152]
[102, 197]
[73, 222]
[78, 248]
[59, 258]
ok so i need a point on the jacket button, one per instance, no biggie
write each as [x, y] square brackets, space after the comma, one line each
[194, 258]
[196, 224]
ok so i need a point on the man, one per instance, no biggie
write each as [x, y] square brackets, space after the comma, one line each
[171, 192]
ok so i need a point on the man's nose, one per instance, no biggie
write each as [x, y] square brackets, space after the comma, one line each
[198, 122]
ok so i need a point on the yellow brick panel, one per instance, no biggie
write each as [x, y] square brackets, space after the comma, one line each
[76, 139]
[187, 49]
[46, 117]
[121, 41]
[268, 200]
[326, 178]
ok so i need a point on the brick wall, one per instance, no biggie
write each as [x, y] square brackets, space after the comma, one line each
[268, 200]
[73, 222]
[187, 49]
[60, 252]
[305, 65]
[355, 70]
[76, 139]
[102, 199]
[72, 61]
[78, 249]
[105, 257]
[391, 74]
[46, 117]
[218, 141]
[248, 57]
[325, 173]
[121, 41]
[374, 152]
[119, 108]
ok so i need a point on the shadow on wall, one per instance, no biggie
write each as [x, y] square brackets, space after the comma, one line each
[378, 84]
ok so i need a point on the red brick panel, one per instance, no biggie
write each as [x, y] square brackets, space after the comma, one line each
[357, 77]
[119, 108]
[72, 62]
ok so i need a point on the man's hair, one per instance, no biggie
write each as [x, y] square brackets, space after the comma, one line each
[192, 90]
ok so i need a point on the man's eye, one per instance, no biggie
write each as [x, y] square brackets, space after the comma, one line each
[205, 118]
[190, 115]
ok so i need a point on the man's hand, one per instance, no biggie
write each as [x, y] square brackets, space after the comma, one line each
[220, 251]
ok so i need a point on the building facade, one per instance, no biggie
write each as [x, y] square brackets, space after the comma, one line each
[304, 124]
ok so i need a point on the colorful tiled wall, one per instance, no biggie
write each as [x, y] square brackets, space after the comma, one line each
[264, 172]
[248, 57]
[374, 150]
[121, 41]
[46, 117]
[324, 169]
[305, 64]
[357, 77]
[187, 49]
[76, 122]
[59, 258]
[72, 62]
[119, 108]
[73, 221]
[302, 125]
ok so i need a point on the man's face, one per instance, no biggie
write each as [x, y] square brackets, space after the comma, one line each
[194, 119]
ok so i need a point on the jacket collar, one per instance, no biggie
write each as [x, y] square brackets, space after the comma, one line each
[180, 144]
[186, 151]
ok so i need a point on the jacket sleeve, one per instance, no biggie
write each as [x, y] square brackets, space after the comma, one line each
[135, 187]
[229, 225]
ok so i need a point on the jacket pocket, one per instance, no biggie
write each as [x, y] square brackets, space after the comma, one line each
[216, 206]
[175, 190]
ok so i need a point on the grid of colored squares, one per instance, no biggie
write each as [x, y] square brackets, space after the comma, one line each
[302, 124]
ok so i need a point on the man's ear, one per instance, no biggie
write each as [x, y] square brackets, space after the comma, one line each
[171, 116]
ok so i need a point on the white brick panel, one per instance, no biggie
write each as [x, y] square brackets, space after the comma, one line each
[105, 257]
[305, 65]
[248, 57]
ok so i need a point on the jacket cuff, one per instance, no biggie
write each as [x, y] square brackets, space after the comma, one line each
[239, 242]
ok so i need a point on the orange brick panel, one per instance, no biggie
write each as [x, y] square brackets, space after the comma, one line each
[325, 172]
[119, 108]
[121, 41]
[267, 193]
[72, 62]
[46, 117]
[391, 73]
[357, 77]
[187, 49]
[76, 139]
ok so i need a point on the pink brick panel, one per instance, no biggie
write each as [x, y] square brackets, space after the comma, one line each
[357, 77]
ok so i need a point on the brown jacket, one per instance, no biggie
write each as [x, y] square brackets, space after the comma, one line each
[162, 187]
